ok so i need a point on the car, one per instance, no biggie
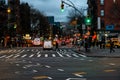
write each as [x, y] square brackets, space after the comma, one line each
[47, 44]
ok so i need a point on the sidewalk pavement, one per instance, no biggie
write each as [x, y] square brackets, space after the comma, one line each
[97, 52]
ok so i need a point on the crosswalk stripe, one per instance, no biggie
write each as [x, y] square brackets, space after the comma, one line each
[75, 55]
[9, 56]
[38, 52]
[31, 55]
[46, 55]
[68, 55]
[24, 56]
[53, 55]
[16, 56]
[59, 54]
[3, 56]
[39, 55]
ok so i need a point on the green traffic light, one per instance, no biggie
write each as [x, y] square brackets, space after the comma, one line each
[88, 20]
[62, 10]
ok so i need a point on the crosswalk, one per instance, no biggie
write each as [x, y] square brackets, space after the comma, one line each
[36, 53]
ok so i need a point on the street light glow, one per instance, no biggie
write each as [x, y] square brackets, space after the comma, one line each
[8, 10]
[114, 1]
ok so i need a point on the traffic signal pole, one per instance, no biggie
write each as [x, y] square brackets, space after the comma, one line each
[73, 6]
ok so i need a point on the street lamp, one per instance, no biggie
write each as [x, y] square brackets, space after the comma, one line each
[8, 10]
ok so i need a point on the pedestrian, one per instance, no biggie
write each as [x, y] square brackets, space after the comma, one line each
[111, 46]
[56, 45]
[86, 45]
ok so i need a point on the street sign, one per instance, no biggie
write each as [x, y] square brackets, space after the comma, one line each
[110, 27]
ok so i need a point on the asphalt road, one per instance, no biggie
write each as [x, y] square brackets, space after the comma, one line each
[65, 64]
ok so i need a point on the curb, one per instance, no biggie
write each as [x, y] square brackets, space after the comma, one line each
[89, 54]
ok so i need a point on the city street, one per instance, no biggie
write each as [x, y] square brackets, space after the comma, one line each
[34, 63]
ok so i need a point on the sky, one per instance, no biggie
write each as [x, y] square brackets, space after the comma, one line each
[52, 7]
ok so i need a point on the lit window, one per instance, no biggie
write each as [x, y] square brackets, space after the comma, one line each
[102, 2]
[102, 13]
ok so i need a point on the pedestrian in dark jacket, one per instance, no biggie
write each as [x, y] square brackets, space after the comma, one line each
[111, 46]
[56, 45]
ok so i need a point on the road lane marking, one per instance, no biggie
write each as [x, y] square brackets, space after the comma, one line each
[76, 79]
[38, 52]
[40, 77]
[59, 54]
[60, 69]
[109, 70]
[68, 55]
[16, 56]
[47, 66]
[3, 56]
[75, 55]
[46, 55]
[28, 50]
[39, 55]
[31, 55]
[53, 55]
[82, 55]
[79, 74]
[9, 56]
[24, 56]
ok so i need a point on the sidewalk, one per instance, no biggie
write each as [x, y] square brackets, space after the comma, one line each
[97, 52]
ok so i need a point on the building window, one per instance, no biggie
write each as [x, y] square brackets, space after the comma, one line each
[102, 12]
[102, 2]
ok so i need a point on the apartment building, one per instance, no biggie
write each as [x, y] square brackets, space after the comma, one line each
[105, 14]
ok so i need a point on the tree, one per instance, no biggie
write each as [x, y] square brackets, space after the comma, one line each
[39, 23]
[75, 19]
[25, 18]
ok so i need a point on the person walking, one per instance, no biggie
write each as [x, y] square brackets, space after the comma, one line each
[56, 45]
[111, 46]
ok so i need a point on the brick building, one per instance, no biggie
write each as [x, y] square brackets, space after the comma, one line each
[105, 14]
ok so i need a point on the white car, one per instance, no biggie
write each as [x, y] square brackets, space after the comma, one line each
[47, 44]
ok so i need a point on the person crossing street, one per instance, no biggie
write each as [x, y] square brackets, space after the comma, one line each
[111, 46]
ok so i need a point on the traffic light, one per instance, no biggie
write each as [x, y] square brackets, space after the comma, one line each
[88, 20]
[62, 7]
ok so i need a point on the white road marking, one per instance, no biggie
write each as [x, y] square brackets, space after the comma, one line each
[53, 55]
[9, 56]
[47, 66]
[49, 77]
[16, 56]
[75, 55]
[68, 55]
[60, 69]
[3, 56]
[46, 55]
[38, 52]
[31, 55]
[82, 55]
[59, 54]
[78, 75]
[39, 55]
[24, 55]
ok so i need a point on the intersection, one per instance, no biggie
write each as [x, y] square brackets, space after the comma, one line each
[34, 63]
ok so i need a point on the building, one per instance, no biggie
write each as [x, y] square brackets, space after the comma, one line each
[3, 18]
[14, 16]
[105, 15]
